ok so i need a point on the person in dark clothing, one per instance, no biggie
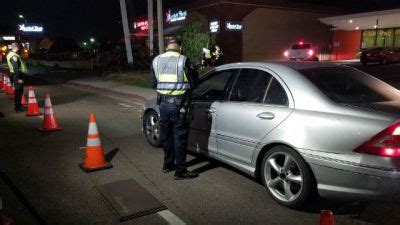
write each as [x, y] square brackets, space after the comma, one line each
[173, 77]
[17, 70]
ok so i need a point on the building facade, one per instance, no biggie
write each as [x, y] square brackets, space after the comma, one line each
[257, 30]
[354, 32]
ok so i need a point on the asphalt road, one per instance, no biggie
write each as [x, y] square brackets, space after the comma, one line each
[41, 180]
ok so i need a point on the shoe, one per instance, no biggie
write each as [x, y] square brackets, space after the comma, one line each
[186, 175]
[17, 110]
[167, 169]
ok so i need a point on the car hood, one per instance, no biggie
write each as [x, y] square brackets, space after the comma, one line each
[392, 107]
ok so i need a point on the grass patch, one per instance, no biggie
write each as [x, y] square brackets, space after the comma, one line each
[135, 78]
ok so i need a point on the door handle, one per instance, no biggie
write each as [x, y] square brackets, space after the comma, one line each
[266, 116]
[210, 110]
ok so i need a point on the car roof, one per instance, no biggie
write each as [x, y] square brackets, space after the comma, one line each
[291, 64]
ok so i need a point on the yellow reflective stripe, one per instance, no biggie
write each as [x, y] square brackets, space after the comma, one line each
[170, 54]
[184, 77]
[23, 66]
[167, 92]
[167, 78]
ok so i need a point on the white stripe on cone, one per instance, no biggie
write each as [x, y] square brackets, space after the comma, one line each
[93, 142]
[32, 101]
[47, 102]
[48, 112]
[31, 94]
[93, 128]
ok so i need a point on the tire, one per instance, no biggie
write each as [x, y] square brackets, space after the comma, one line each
[384, 61]
[152, 129]
[297, 178]
[316, 59]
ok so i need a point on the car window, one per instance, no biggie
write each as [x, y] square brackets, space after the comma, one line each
[276, 95]
[250, 86]
[301, 46]
[348, 85]
[213, 87]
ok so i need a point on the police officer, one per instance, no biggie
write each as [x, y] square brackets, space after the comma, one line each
[17, 71]
[173, 78]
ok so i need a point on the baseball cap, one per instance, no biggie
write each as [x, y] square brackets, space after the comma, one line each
[174, 41]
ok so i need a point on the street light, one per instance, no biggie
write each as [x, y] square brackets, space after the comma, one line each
[85, 43]
[92, 40]
[21, 16]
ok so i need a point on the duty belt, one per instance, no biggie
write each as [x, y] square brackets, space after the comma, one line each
[171, 99]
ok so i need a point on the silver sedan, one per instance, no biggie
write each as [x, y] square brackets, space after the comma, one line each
[300, 127]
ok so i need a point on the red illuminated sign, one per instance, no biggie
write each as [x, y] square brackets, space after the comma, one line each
[141, 25]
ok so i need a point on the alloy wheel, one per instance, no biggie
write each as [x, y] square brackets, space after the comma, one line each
[283, 176]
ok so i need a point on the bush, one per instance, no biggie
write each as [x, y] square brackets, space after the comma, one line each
[194, 39]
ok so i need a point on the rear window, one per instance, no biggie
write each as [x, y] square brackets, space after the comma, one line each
[299, 46]
[348, 85]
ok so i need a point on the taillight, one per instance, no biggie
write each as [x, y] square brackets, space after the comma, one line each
[310, 52]
[386, 143]
[286, 53]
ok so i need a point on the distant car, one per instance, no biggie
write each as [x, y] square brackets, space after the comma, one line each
[301, 52]
[299, 127]
[380, 55]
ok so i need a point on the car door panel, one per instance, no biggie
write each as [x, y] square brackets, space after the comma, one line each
[240, 128]
[202, 136]
[203, 111]
[257, 104]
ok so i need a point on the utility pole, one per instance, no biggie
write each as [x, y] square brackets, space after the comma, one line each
[160, 20]
[151, 27]
[126, 32]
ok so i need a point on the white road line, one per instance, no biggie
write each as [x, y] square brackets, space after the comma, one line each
[41, 117]
[125, 105]
[171, 218]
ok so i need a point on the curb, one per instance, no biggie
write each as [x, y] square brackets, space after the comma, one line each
[137, 99]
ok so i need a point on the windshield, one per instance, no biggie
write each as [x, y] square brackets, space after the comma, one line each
[347, 85]
[301, 46]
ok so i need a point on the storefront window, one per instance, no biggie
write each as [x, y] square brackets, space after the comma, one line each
[397, 38]
[368, 38]
[385, 38]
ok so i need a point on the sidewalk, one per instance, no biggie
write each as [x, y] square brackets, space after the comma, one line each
[138, 94]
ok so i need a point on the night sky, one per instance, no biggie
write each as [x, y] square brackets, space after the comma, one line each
[81, 19]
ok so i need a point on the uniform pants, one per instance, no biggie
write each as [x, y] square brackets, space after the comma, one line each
[19, 91]
[174, 128]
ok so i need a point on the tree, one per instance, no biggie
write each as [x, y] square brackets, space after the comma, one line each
[194, 39]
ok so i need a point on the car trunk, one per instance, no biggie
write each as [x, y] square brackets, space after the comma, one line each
[392, 107]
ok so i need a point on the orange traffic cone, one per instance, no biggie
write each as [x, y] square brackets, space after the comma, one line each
[23, 101]
[33, 108]
[49, 121]
[4, 83]
[326, 218]
[1, 81]
[94, 158]
[9, 86]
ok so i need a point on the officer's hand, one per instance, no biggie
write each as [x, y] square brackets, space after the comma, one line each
[20, 81]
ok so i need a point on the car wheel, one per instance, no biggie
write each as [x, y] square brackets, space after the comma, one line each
[364, 63]
[384, 61]
[287, 177]
[316, 59]
[152, 128]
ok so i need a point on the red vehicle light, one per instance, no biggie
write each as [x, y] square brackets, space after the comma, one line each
[385, 143]
[286, 53]
[310, 52]
[300, 43]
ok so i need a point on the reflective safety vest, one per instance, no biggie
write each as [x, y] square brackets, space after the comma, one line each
[207, 53]
[169, 69]
[23, 68]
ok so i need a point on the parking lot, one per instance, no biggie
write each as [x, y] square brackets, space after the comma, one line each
[42, 183]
